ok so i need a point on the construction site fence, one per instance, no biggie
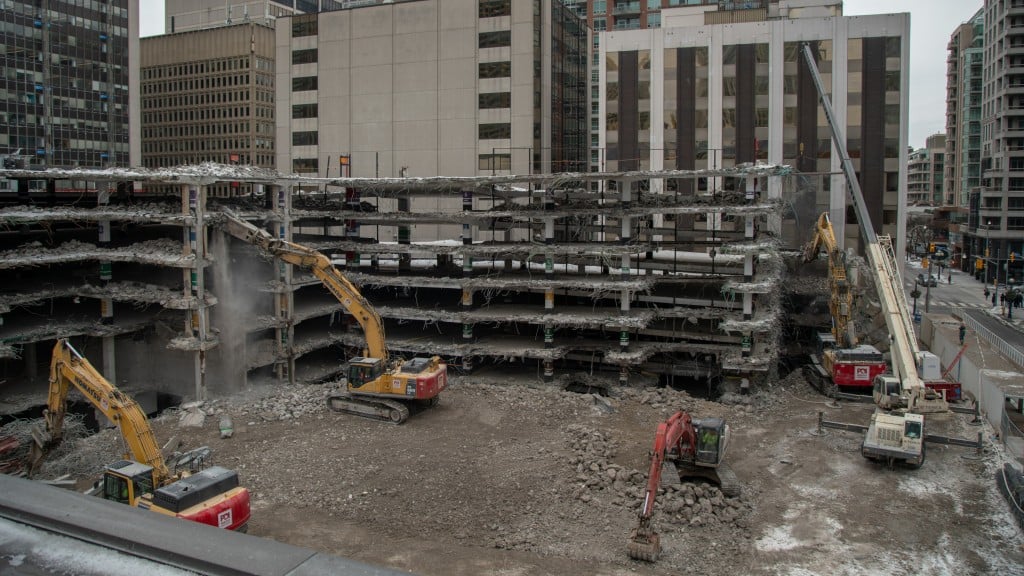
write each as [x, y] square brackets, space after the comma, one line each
[1011, 435]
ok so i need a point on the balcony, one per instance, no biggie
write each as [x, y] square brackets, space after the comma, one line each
[625, 8]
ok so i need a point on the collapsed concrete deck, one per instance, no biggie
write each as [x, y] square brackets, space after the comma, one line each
[566, 271]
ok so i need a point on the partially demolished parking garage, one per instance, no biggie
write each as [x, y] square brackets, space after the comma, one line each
[512, 472]
[544, 274]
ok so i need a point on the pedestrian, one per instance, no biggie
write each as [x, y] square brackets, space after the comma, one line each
[963, 332]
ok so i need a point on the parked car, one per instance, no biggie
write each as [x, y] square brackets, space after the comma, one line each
[928, 279]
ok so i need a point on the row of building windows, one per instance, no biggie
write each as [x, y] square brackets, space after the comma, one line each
[208, 67]
[161, 161]
[203, 145]
[495, 39]
[304, 111]
[201, 99]
[304, 56]
[203, 83]
[206, 129]
[490, 100]
[197, 114]
[495, 8]
[303, 83]
[495, 69]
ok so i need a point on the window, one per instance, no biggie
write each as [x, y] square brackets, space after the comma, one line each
[495, 100]
[304, 56]
[303, 83]
[304, 25]
[304, 111]
[305, 138]
[495, 131]
[495, 162]
[305, 165]
[495, 69]
[495, 39]
[492, 8]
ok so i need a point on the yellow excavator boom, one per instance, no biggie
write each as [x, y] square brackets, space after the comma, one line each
[321, 267]
[841, 302]
[67, 368]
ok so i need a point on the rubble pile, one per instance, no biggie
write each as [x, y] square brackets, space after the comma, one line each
[81, 454]
[280, 403]
[679, 505]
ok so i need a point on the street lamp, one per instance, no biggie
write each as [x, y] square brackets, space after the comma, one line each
[915, 293]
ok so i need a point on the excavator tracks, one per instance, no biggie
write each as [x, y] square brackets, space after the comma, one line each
[374, 408]
[723, 476]
[728, 483]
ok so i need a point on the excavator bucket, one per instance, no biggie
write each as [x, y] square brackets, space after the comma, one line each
[644, 544]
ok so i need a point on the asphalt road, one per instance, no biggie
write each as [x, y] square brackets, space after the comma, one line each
[963, 292]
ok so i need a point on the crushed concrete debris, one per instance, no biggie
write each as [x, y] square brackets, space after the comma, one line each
[164, 252]
[148, 212]
[137, 292]
[679, 505]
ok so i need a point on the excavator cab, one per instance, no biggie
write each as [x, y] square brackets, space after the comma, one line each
[710, 441]
[125, 481]
[362, 370]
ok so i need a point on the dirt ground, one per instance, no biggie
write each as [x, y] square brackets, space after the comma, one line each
[508, 476]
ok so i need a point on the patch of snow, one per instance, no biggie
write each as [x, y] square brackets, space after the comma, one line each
[63, 555]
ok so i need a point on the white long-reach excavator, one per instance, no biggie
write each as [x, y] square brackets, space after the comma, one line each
[378, 386]
[896, 431]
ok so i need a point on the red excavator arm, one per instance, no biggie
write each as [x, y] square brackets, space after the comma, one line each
[677, 437]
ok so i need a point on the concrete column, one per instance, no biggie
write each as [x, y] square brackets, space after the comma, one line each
[351, 226]
[284, 306]
[467, 364]
[549, 239]
[623, 375]
[747, 344]
[194, 205]
[467, 298]
[624, 339]
[626, 231]
[624, 302]
[749, 230]
[106, 304]
[549, 371]
[624, 266]
[549, 336]
[748, 268]
[549, 298]
[748, 306]
[467, 265]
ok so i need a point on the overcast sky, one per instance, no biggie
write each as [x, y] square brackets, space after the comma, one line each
[931, 23]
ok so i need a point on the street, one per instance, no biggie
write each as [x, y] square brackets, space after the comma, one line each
[964, 292]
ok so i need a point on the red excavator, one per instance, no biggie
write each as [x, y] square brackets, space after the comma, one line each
[686, 448]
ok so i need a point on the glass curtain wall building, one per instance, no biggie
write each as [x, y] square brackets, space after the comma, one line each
[64, 90]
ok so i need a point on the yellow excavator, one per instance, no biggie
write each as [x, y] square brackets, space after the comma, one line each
[379, 387]
[210, 495]
[840, 362]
